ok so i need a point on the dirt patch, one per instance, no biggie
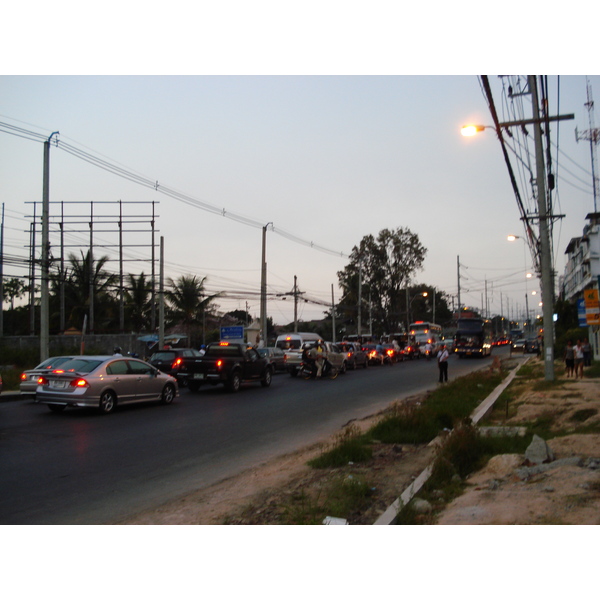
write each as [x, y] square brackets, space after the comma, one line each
[494, 495]
[570, 494]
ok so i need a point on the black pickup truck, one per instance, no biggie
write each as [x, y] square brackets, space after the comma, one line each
[227, 363]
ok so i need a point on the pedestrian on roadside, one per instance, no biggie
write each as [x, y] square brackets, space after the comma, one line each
[578, 360]
[443, 364]
[587, 353]
[570, 359]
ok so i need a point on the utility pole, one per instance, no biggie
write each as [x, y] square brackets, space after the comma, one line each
[2, 274]
[359, 320]
[295, 304]
[161, 296]
[332, 314]
[593, 135]
[263, 286]
[44, 290]
[458, 277]
[545, 247]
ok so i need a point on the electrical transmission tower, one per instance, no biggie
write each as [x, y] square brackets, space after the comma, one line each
[593, 136]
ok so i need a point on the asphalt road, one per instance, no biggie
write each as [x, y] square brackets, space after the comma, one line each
[80, 467]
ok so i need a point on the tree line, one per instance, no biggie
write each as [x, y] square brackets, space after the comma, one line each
[381, 269]
[187, 305]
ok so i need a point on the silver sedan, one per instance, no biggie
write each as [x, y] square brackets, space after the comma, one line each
[103, 382]
[30, 378]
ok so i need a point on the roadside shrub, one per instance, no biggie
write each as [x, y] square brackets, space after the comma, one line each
[406, 424]
[349, 446]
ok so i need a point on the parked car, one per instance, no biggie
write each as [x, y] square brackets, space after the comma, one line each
[374, 356]
[103, 382]
[169, 361]
[29, 378]
[518, 345]
[355, 355]
[275, 356]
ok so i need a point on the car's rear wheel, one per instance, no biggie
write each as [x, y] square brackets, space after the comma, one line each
[267, 377]
[108, 402]
[234, 383]
[57, 407]
[168, 394]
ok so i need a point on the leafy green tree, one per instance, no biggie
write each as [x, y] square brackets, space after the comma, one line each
[388, 263]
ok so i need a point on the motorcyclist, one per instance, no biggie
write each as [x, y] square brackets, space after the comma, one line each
[308, 359]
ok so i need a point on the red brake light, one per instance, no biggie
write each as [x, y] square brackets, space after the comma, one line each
[58, 371]
[176, 362]
[79, 383]
[219, 363]
[23, 377]
[223, 343]
[42, 381]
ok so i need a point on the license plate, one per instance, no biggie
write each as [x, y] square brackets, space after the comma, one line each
[59, 385]
[198, 375]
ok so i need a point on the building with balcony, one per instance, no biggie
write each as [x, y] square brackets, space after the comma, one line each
[582, 271]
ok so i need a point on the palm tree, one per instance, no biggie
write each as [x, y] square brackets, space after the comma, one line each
[188, 302]
[138, 302]
[77, 291]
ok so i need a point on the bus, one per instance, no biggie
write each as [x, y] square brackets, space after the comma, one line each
[473, 337]
[425, 332]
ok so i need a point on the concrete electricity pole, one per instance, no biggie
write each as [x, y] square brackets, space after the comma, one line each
[547, 275]
[263, 286]
[44, 290]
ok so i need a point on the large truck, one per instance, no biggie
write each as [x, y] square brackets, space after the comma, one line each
[473, 337]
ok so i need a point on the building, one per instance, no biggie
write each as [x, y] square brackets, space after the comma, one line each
[582, 271]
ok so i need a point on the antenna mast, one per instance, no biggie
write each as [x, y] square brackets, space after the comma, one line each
[593, 135]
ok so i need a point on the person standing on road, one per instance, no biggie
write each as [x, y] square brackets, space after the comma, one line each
[443, 364]
[578, 360]
[570, 359]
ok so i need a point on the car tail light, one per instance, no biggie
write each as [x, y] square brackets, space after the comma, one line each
[219, 364]
[176, 363]
[79, 383]
[23, 376]
[349, 354]
[58, 371]
[390, 352]
[42, 381]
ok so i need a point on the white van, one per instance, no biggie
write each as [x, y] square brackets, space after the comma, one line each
[291, 344]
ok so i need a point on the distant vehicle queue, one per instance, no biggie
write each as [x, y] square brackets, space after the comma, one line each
[107, 381]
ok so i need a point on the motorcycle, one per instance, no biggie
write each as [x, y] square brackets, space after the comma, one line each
[308, 370]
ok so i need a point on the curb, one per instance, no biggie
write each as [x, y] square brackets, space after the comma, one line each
[390, 516]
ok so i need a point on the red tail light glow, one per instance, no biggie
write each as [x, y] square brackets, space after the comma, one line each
[42, 381]
[78, 383]
[23, 377]
[176, 363]
[219, 363]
